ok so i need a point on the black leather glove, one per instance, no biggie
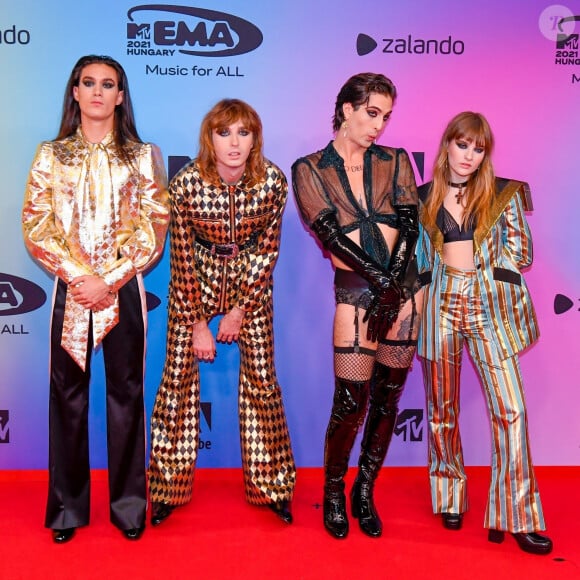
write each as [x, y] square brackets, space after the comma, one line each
[383, 311]
[404, 248]
[386, 304]
[387, 291]
[328, 232]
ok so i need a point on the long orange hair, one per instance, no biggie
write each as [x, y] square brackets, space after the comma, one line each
[480, 189]
[223, 114]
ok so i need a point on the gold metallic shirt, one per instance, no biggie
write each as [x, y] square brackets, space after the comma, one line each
[87, 211]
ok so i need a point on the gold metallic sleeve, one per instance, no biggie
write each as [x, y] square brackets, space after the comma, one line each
[43, 238]
[141, 244]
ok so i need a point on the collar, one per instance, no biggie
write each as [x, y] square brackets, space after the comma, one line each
[331, 158]
[105, 142]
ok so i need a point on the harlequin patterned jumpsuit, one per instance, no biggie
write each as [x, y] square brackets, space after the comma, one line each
[224, 246]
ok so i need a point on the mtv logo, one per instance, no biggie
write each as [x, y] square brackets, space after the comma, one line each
[4, 426]
[567, 41]
[142, 31]
[409, 423]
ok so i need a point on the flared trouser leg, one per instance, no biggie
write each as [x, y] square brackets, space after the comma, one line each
[124, 357]
[175, 421]
[513, 503]
[267, 458]
[445, 451]
[68, 502]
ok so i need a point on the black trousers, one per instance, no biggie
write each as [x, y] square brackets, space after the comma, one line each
[69, 470]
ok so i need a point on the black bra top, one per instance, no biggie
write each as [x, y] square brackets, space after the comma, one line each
[451, 230]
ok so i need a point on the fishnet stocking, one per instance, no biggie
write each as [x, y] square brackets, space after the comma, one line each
[352, 365]
[397, 354]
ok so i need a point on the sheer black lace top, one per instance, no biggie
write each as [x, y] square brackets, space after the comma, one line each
[321, 186]
[451, 230]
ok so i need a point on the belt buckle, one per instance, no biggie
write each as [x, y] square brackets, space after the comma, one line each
[234, 250]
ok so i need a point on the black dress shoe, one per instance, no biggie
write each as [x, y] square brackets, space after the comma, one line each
[532, 543]
[62, 536]
[452, 521]
[335, 518]
[134, 533]
[160, 512]
[282, 510]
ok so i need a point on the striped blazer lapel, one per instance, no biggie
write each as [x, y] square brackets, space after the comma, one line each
[502, 198]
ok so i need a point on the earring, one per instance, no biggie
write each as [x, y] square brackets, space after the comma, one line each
[344, 128]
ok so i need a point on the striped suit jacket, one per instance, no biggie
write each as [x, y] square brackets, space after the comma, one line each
[501, 249]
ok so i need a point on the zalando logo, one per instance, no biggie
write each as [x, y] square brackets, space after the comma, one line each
[409, 44]
[189, 30]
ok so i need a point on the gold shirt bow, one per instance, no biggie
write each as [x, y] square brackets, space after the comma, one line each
[97, 209]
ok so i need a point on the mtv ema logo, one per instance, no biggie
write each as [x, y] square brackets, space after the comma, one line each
[409, 424]
[4, 426]
[159, 30]
[18, 295]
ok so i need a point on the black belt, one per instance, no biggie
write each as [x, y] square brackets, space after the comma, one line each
[225, 250]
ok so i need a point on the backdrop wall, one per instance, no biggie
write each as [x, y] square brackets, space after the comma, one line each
[288, 59]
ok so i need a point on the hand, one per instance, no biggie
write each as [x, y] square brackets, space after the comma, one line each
[109, 300]
[203, 342]
[383, 311]
[230, 324]
[91, 292]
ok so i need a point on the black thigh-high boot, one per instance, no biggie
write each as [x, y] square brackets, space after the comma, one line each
[386, 392]
[348, 409]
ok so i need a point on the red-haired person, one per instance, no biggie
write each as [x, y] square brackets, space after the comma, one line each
[474, 241]
[226, 210]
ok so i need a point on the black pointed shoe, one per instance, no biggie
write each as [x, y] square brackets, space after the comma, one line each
[63, 535]
[452, 521]
[282, 510]
[532, 543]
[134, 533]
[160, 512]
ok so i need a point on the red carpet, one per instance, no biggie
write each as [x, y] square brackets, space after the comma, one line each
[218, 535]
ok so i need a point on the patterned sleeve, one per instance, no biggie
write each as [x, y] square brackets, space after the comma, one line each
[261, 262]
[42, 236]
[145, 244]
[184, 288]
[404, 186]
[516, 235]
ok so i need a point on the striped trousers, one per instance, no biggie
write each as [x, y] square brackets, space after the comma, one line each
[514, 502]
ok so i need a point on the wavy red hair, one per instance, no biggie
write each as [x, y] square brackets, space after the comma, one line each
[473, 128]
[223, 114]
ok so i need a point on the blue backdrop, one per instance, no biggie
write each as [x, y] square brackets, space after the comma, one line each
[288, 59]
